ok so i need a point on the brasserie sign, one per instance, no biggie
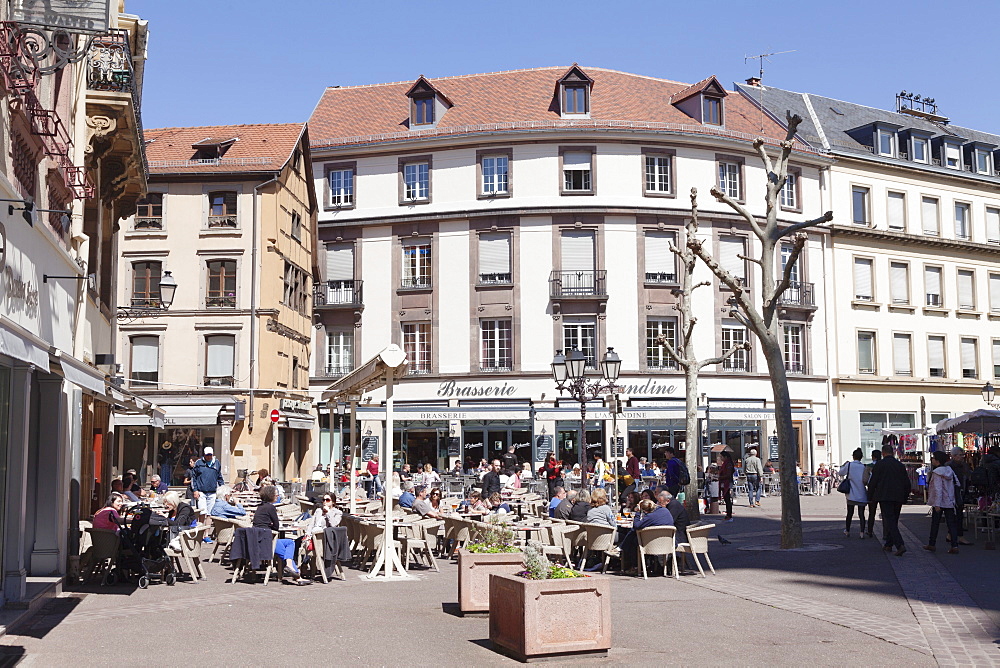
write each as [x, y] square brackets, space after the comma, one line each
[91, 16]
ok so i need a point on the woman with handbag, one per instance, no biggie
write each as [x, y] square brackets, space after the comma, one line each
[853, 485]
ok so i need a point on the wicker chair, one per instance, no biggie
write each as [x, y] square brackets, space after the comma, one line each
[597, 538]
[104, 545]
[191, 542]
[657, 541]
[698, 544]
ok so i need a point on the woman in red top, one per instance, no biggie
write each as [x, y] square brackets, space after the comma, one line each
[726, 471]
[376, 488]
[552, 472]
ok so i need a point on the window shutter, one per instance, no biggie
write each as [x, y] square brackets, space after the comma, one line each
[494, 253]
[659, 258]
[901, 354]
[993, 225]
[898, 283]
[340, 262]
[865, 350]
[221, 355]
[965, 290]
[863, 279]
[995, 292]
[578, 251]
[932, 280]
[929, 215]
[968, 354]
[897, 211]
[730, 248]
[576, 160]
[935, 352]
[145, 354]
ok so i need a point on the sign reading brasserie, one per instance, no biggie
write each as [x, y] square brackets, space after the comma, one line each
[71, 15]
[451, 388]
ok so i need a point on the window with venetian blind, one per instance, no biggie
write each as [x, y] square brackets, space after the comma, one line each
[220, 359]
[577, 171]
[929, 218]
[932, 287]
[995, 293]
[969, 354]
[866, 352]
[896, 206]
[341, 287]
[902, 355]
[863, 284]
[899, 282]
[145, 364]
[993, 225]
[936, 356]
[494, 258]
[966, 290]
[996, 358]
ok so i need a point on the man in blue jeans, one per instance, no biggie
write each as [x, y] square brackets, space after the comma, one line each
[206, 477]
[753, 468]
[672, 471]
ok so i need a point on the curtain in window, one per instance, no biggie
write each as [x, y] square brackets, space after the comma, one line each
[145, 354]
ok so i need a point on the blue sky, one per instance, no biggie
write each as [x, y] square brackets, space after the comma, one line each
[251, 61]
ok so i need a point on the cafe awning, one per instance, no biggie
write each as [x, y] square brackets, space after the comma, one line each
[22, 347]
[982, 421]
[181, 416]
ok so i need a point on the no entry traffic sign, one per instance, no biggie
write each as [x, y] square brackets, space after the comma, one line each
[275, 415]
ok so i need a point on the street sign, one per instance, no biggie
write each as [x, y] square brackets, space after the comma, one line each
[275, 415]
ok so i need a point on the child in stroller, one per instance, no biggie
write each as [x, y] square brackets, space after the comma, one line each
[144, 537]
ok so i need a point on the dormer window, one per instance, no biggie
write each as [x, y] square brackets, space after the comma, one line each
[919, 149]
[427, 104]
[983, 160]
[423, 111]
[886, 143]
[703, 101]
[711, 110]
[951, 155]
[212, 148]
[573, 89]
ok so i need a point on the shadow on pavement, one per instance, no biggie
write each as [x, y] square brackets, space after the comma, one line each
[11, 655]
[48, 617]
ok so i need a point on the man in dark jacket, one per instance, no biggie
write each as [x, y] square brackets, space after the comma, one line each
[680, 515]
[892, 488]
[491, 480]
[206, 476]
[509, 461]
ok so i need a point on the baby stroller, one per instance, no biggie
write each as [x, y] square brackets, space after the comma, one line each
[144, 536]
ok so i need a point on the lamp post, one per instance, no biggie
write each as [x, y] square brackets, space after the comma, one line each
[568, 371]
[989, 394]
[168, 288]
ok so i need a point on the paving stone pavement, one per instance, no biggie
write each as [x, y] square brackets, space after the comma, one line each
[958, 631]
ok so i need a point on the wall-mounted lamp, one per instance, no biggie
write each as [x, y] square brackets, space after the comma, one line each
[28, 205]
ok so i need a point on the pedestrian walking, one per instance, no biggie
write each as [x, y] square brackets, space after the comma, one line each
[206, 477]
[726, 471]
[855, 473]
[754, 470]
[872, 497]
[892, 487]
[961, 469]
[941, 497]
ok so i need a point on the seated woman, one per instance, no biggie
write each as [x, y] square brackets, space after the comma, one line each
[107, 517]
[435, 499]
[574, 475]
[180, 514]
[600, 512]
[328, 515]
[578, 513]
[631, 502]
[225, 506]
[514, 481]
[497, 505]
[475, 503]
[526, 473]
[267, 517]
[430, 477]
[647, 495]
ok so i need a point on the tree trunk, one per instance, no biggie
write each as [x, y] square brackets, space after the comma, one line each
[791, 517]
[692, 442]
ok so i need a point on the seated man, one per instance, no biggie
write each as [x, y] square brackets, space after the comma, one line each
[565, 507]
[421, 505]
[680, 515]
[127, 488]
[407, 498]
[157, 486]
[224, 506]
[557, 498]
[649, 516]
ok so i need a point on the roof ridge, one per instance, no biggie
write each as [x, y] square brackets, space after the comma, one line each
[560, 68]
[237, 125]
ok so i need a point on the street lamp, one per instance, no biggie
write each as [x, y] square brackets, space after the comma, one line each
[168, 288]
[568, 371]
[988, 393]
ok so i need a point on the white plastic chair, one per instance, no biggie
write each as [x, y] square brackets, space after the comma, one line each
[696, 544]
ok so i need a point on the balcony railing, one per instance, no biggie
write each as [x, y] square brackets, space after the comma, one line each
[337, 293]
[498, 367]
[227, 301]
[660, 277]
[146, 302]
[798, 294]
[153, 223]
[222, 222]
[578, 284]
[665, 365]
[735, 364]
[415, 282]
[335, 371]
[109, 68]
[496, 279]
[220, 381]
[795, 367]
[419, 369]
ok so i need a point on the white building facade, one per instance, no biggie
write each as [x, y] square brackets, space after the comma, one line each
[514, 214]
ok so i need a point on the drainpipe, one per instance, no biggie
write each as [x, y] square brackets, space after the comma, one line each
[253, 300]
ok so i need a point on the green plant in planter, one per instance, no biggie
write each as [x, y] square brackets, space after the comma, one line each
[538, 566]
[497, 538]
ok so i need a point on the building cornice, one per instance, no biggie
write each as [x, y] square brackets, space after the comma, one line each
[920, 170]
[904, 238]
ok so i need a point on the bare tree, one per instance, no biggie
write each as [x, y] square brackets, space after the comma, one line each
[762, 319]
[682, 352]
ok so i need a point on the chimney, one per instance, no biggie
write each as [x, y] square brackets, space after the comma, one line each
[754, 81]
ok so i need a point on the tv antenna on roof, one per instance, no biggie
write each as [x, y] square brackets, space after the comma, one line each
[761, 57]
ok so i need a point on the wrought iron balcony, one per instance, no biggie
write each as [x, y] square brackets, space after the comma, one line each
[415, 282]
[226, 301]
[152, 302]
[225, 222]
[333, 294]
[151, 223]
[660, 277]
[501, 366]
[736, 364]
[496, 279]
[578, 284]
[335, 371]
[220, 381]
[796, 367]
[798, 294]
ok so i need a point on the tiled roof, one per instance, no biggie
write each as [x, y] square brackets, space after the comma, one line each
[258, 148]
[694, 88]
[519, 99]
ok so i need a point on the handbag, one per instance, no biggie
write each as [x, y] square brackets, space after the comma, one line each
[845, 485]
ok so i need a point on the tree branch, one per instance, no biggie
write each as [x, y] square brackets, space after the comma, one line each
[750, 259]
[674, 355]
[825, 218]
[738, 208]
[735, 284]
[726, 355]
[786, 276]
[758, 144]
[701, 285]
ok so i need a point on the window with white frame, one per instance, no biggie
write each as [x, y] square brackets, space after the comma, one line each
[932, 287]
[962, 224]
[952, 155]
[969, 353]
[993, 225]
[793, 274]
[494, 258]
[733, 336]
[341, 182]
[896, 209]
[866, 353]
[222, 209]
[935, 356]
[966, 290]
[495, 174]
[661, 265]
[794, 359]
[657, 356]
[658, 174]
[984, 161]
[929, 218]
[899, 282]
[729, 178]
[581, 335]
[340, 285]
[144, 369]
[920, 150]
[416, 264]
[860, 206]
[902, 354]
[577, 171]
[732, 250]
[788, 197]
[863, 283]
[416, 181]
[339, 352]
[417, 346]
[220, 360]
[887, 143]
[496, 345]
[994, 293]
[996, 358]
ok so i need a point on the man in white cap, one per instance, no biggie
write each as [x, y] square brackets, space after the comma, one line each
[206, 476]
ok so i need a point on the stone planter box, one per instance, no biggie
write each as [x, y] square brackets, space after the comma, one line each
[474, 572]
[540, 619]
